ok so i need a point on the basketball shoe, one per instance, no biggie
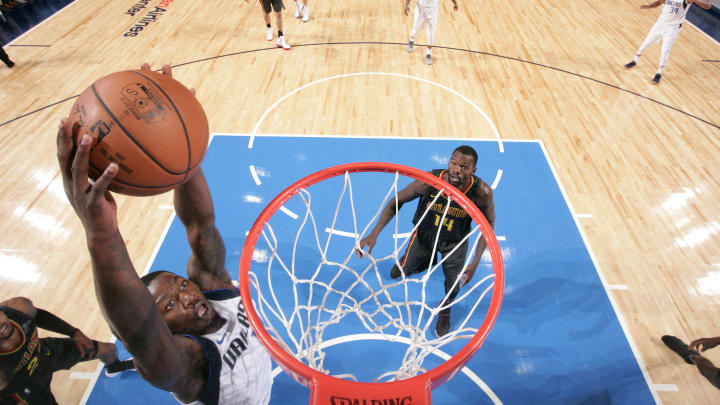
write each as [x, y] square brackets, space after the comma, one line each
[442, 326]
[282, 44]
[630, 64]
[679, 347]
[269, 34]
[656, 79]
[113, 369]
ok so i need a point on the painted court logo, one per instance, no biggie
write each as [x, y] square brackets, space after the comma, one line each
[335, 400]
[152, 16]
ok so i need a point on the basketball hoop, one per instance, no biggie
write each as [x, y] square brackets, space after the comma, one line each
[302, 358]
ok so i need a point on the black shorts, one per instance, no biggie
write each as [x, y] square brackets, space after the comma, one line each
[277, 5]
[418, 258]
[32, 384]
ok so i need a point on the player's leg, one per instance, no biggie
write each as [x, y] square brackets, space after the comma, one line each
[298, 9]
[5, 58]
[305, 12]
[667, 43]
[267, 8]
[416, 258]
[453, 264]
[418, 24]
[431, 18]
[653, 36]
[278, 6]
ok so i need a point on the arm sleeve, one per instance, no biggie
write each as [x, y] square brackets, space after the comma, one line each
[48, 321]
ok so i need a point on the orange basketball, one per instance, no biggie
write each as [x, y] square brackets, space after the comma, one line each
[151, 125]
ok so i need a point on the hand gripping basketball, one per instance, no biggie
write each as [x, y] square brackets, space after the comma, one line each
[147, 123]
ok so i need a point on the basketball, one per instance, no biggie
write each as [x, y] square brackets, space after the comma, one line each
[151, 125]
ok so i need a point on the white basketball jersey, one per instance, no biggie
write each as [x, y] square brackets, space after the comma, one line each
[673, 12]
[239, 366]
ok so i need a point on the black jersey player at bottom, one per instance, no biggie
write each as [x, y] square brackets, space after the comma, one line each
[27, 362]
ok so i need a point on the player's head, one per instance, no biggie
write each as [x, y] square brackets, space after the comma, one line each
[462, 165]
[180, 302]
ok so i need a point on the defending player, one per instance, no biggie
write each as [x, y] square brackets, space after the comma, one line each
[425, 14]
[28, 362]
[666, 27]
[457, 224]
[187, 336]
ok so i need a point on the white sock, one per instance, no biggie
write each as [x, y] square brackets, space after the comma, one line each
[660, 69]
[635, 59]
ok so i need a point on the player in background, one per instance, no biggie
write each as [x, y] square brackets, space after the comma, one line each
[277, 6]
[302, 10]
[425, 13]
[457, 224]
[667, 28]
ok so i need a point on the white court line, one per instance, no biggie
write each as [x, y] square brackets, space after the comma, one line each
[497, 179]
[500, 238]
[614, 305]
[341, 233]
[288, 212]
[401, 339]
[583, 215]
[664, 387]
[618, 287]
[467, 100]
[77, 375]
[254, 175]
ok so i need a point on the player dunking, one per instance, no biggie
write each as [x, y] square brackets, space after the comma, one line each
[425, 14]
[457, 224]
[667, 28]
[189, 336]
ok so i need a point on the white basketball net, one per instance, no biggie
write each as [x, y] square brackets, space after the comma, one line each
[410, 320]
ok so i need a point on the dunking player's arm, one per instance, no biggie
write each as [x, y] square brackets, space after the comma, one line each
[194, 207]
[166, 361]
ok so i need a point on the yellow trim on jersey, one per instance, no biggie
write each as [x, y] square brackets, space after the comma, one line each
[472, 181]
[22, 342]
[19, 400]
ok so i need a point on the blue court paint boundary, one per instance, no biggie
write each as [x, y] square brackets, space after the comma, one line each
[298, 390]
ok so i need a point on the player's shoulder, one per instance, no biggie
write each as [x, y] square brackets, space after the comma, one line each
[483, 191]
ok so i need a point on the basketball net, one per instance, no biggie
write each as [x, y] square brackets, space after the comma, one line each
[395, 310]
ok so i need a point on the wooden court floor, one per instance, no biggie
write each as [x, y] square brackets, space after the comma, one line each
[641, 159]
